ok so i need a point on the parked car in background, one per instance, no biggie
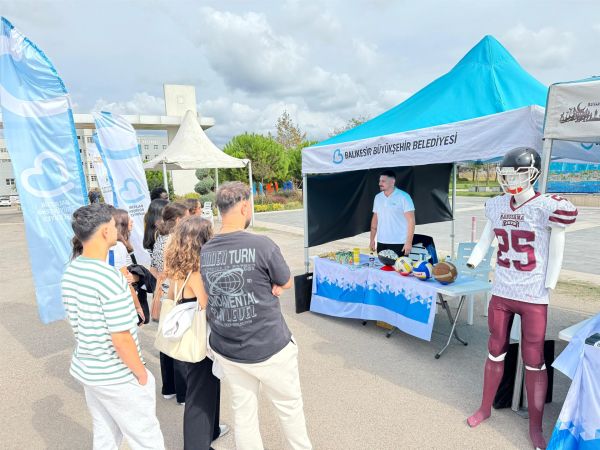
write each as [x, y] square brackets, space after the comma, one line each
[4, 201]
[14, 200]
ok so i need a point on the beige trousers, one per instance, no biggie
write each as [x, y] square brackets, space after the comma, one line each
[279, 380]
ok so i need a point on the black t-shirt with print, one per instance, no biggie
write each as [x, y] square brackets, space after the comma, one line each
[239, 270]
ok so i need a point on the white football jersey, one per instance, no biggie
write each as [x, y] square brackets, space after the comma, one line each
[523, 235]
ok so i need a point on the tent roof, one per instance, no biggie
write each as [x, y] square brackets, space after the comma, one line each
[487, 80]
[192, 149]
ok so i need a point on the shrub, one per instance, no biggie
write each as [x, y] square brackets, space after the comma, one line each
[210, 197]
[204, 186]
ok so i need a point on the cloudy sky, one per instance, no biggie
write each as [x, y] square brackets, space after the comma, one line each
[322, 61]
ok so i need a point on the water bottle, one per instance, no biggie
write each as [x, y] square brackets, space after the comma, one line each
[371, 260]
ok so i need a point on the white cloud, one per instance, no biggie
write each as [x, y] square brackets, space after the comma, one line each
[313, 19]
[250, 56]
[544, 49]
[391, 97]
[141, 103]
[233, 118]
[365, 53]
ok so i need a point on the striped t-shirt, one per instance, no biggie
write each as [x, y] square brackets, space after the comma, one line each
[98, 303]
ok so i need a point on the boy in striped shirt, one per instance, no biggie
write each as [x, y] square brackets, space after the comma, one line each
[119, 390]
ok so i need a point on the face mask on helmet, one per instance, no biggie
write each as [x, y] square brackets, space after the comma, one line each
[514, 181]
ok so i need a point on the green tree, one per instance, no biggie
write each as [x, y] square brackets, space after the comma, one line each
[289, 135]
[295, 162]
[352, 123]
[269, 159]
[205, 183]
[155, 179]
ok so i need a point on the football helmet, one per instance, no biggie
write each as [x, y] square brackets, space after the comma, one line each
[519, 170]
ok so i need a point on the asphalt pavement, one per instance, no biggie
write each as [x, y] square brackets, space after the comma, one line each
[361, 390]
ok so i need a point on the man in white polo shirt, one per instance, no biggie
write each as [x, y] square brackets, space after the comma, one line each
[393, 220]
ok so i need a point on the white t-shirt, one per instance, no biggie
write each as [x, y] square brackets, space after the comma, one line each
[391, 223]
[121, 256]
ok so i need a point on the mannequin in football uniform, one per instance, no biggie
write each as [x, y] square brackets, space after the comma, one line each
[530, 229]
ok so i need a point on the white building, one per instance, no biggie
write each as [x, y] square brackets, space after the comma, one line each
[178, 100]
[150, 147]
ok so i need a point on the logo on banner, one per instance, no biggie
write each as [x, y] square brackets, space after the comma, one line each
[41, 170]
[579, 113]
[131, 192]
[338, 157]
[589, 146]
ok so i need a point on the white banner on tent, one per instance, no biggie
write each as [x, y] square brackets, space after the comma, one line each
[101, 173]
[479, 139]
[573, 111]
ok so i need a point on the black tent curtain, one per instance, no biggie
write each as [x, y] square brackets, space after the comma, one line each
[340, 205]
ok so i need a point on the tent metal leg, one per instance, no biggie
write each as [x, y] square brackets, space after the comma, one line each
[453, 229]
[165, 178]
[546, 158]
[305, 208]
[251, 192]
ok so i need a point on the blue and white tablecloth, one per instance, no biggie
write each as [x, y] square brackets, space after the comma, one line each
[372, 294]
[578, 425]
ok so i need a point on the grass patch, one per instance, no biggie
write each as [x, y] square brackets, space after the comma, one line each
[580, 289]
[260, 229]
[476, 194]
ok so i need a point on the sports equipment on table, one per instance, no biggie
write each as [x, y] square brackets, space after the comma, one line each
[523, 235]
[519, 170]
[387, 257]
[403, 266]
[445, 272]
[422, 270]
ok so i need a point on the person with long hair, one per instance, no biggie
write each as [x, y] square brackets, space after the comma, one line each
[202, 400]
[151, 219]
[173, 372]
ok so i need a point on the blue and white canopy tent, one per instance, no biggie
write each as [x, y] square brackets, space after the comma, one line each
[486, 105]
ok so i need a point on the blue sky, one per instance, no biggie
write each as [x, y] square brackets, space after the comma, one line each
[324, 62]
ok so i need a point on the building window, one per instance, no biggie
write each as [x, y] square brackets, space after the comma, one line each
[3, 150]
[156, 147]
[91, 165]
[164, 147]
[10, 181]
[90, 139]
[93, 178]
[146, 147]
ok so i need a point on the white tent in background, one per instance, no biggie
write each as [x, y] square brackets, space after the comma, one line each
[191, 149]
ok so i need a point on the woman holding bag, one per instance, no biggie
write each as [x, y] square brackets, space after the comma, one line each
[182, 267]
[173, 372]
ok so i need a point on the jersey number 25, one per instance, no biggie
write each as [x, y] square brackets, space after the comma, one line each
[519, 241]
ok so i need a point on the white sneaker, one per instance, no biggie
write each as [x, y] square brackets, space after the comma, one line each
[181, 403]
[168, 396]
